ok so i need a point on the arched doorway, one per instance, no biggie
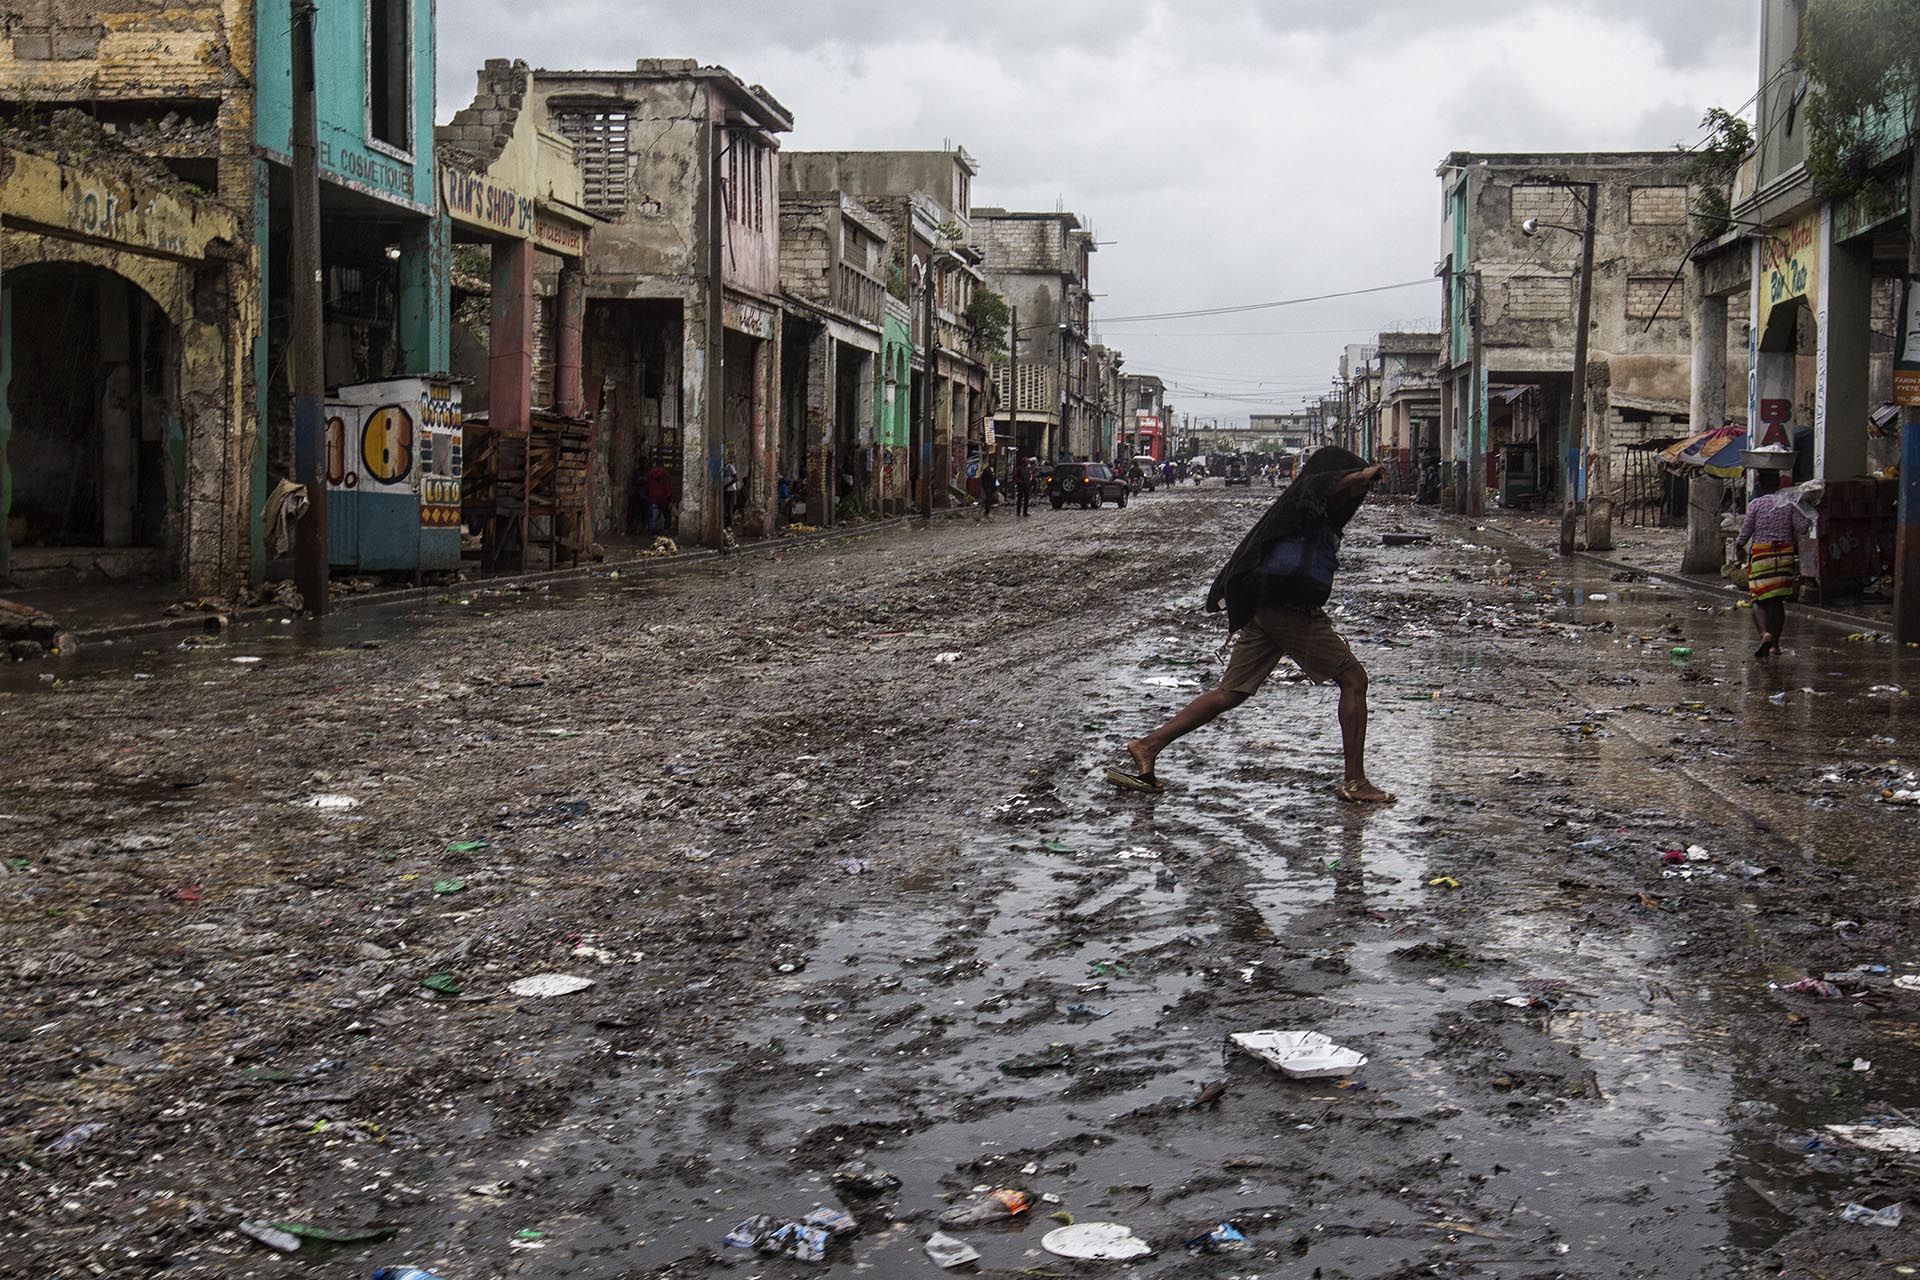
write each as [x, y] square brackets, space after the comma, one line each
[96, 447]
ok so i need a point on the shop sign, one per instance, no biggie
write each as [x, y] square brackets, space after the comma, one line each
[562, 237]
[477, 200]
[1790, 264]
[1906, 352]
[744, 317]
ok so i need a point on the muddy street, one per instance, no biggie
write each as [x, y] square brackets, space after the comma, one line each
[827, 832]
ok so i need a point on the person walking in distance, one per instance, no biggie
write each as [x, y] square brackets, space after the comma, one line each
[659, 499]
[730, 489]
[1272, 588]
[1771, 535]
[989, 488]
[1025, 472]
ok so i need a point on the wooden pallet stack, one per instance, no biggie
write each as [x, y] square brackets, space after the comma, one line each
[527, 493]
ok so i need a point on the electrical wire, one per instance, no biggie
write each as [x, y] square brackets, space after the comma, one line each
[1266, 306]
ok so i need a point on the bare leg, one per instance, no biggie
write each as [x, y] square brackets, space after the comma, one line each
[1353, 735]
[1759, 612]
[1775, 611]
[1203, 709]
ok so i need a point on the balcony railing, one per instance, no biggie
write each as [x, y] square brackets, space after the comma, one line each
[859, 294]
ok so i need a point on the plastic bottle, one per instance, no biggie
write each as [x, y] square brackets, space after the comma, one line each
[404, 1273]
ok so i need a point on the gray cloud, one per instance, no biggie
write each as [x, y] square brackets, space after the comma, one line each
[1237, 150]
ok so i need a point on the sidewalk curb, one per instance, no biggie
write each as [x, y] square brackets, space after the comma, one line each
[644, 565]
[1851, 622]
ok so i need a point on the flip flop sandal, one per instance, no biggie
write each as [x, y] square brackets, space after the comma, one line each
[1351, 794]
[1129, 781]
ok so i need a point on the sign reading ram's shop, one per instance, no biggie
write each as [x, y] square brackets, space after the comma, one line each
[476, 199]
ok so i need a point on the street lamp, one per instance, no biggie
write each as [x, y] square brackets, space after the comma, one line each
[1573, 505]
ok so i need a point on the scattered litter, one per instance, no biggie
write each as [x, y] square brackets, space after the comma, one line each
[466, 846]
[1892, 1139]
[1862, 1064]
[1109, 969]
[270, 1236]
[332, 802]
[950, 1252]
[858, 1177]
[1810, 987]
[1304, 1055]
[404, 1273]
[1086, 1011]
[1443, 882]
[1058, 846]
[449, 886]
[444, 983]
[1102, 1241]
[1908, 982]
[804, 1240]
[854, 866]
[528, 1238]
[1597, 595]
[948, 657]
[74, 1137]
[1210, 1094]
[244, 661]
[1887, 1217]
[691, 854]
[1004, 1202]
[338, 1235]
[1225, 1238]
[1404, 539]
[550, 984]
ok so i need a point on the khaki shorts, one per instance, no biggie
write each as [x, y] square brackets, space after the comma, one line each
[1306, 637]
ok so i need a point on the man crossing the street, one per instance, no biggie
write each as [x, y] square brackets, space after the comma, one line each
[1273, 587]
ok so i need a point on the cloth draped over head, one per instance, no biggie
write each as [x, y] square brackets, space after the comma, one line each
[1314, 497]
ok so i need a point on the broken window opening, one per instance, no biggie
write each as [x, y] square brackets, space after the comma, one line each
[390, 73]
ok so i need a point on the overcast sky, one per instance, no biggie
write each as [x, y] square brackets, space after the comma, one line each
[1232, 152]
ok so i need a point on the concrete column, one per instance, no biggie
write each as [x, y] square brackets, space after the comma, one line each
[1707, 406]
[865, 395]
[1599, 393]
[114, 417]
[762, 414]
[940, 475]
[697, 366]
[1706, 410]
[425, 328]
[570, 309]
[1704, 547]
[1845, 317]
[510, 337]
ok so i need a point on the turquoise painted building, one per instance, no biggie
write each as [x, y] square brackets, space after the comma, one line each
[893, 402]
[384, 240]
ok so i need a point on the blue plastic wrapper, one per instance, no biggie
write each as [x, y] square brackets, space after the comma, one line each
[1225, 1238]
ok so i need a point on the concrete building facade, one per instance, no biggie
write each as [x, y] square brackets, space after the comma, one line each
[682, 329]
[833, 256]
[1409, 401]
[1144, 415]
[1509, 300]
[924, 198]
[1039, 262]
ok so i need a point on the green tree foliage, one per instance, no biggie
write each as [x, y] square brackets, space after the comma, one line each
[990, 318]
[1864, 58]
[1712, 166]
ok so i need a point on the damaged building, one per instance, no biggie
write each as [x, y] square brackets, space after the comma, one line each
[1506, 377]
[1039, 263]
[933, 270]
[129, 308]
[207, 92]
[682, 326]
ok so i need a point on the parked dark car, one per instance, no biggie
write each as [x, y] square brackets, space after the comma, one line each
[1086, 483]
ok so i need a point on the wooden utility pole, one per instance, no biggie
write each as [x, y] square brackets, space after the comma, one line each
[308, 375]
